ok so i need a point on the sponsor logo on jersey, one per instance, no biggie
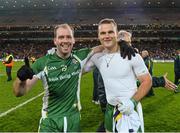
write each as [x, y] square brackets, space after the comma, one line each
[62, 77]
[51, 68]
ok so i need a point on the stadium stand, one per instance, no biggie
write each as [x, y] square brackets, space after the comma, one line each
[161, 40]
[154, 24]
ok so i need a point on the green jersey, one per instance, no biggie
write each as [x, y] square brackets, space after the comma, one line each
[61, 80]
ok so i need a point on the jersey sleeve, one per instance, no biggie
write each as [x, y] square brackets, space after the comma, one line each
[39, 65]
[138, 65]
[158, 81]
[82, 53]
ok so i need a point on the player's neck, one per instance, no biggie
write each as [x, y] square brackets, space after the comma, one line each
[63, 56]
[113, 49]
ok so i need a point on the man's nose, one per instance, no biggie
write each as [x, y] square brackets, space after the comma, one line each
[107, 35]
[65, 39]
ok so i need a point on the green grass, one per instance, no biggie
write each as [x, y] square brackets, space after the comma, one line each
[161, 112]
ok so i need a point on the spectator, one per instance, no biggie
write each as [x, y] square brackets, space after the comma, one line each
[9, 64]
[177, 68]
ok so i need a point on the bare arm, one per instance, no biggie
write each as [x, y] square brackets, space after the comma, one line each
[146, 83]
[163, 81]
[89, 64]
[168, 84]
[20, 88]
[98, 49]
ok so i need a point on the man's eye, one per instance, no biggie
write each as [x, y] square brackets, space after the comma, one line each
[60, 37]
[110, 32]
[102, 33]
[69, 37]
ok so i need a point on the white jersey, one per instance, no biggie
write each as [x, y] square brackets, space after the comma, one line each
[119, 75]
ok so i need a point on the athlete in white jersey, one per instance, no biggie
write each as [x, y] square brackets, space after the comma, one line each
[120, 75]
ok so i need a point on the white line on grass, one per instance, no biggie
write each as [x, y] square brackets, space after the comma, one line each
[2, 74]
[20, 105]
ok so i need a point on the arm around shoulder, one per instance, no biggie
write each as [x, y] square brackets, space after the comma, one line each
[98, 49]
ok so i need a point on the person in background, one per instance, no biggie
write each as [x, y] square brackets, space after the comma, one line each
[95, 87]
[161, 81]
[102, 99]
[9, 62]
[149, 64]
[177, 67]
[33, 59]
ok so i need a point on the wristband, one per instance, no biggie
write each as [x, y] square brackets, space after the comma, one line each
[134, 102]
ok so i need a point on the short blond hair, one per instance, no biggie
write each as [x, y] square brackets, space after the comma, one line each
[107, 21]
[64, 26]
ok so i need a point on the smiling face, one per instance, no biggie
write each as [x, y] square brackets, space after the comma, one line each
[64, 40]
[107, 34]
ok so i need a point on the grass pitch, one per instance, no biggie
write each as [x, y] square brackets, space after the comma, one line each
[161, 112]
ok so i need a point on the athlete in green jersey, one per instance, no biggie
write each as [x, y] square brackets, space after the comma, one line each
[60, 73]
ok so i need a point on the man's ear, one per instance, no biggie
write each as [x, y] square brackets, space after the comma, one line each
[116, 32]
[98, 36]
[73, 40]
[55, 42]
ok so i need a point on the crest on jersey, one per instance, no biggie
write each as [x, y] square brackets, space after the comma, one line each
[64, 68]
[74, 61]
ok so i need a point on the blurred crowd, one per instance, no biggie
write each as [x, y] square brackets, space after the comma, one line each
[156, 49]
[159, 39]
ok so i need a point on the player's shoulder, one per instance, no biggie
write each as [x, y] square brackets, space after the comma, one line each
[81, 53]
[43, 58]
[97, 58]
[41, 61]
[137, 56]
[136, 59]
[98, 55]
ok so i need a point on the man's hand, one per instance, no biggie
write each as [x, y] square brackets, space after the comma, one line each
[168, 84]
[126, 50]
[126, 106]
[25, 72]
[98, 49]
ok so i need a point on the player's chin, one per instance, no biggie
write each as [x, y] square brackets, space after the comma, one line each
[67, 51]
[107, 44]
